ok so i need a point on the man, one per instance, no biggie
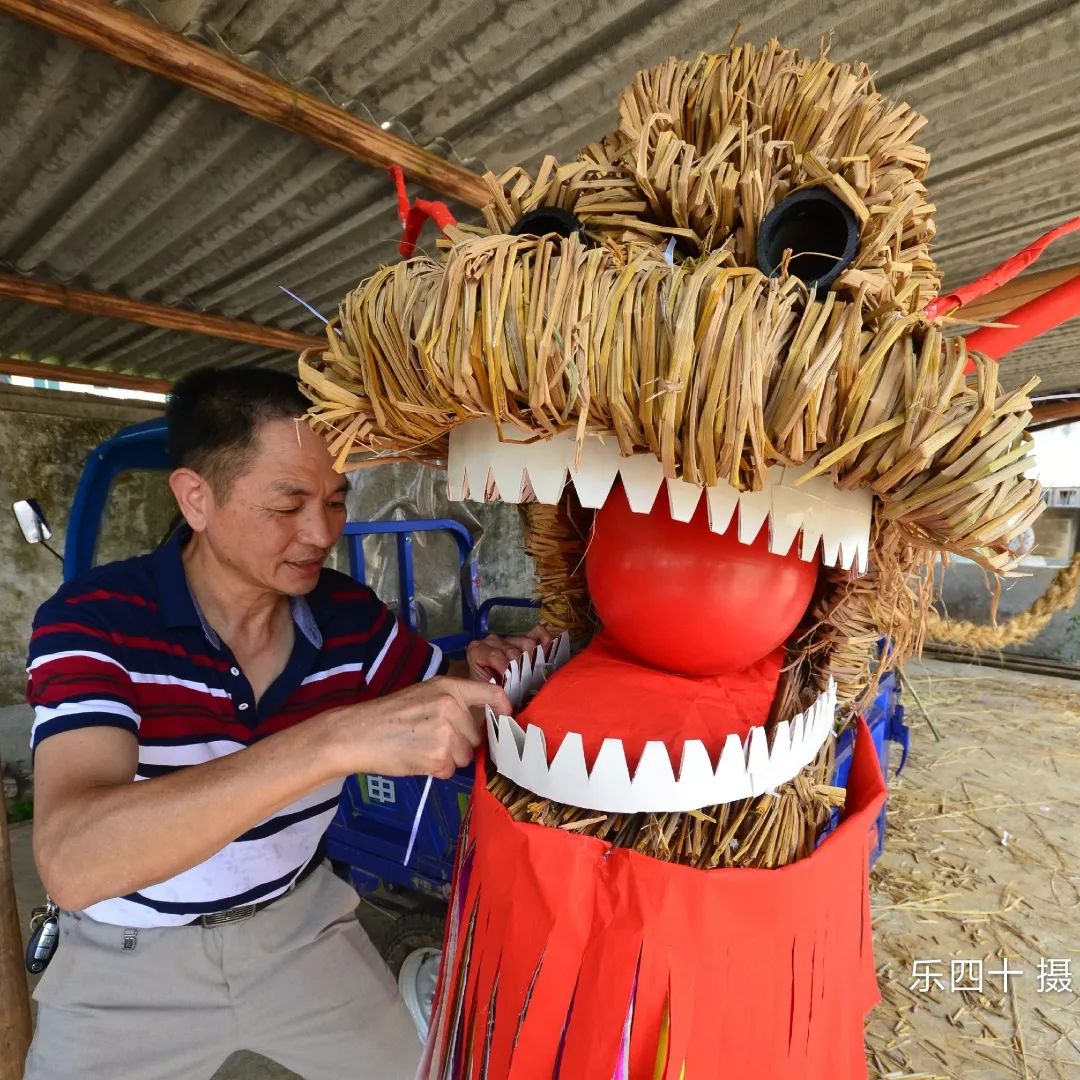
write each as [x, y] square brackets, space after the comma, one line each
[195, 713]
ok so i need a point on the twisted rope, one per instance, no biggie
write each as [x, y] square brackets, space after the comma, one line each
[1060, 595]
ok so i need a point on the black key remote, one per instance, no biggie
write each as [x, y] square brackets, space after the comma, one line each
[44, 937]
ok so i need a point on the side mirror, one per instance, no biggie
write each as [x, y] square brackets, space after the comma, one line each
[31, 519]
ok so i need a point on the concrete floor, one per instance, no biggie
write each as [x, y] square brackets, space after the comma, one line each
[981, 863]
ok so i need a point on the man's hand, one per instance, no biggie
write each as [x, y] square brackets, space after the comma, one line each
[427, 729]
[97, 834]
[488, 659]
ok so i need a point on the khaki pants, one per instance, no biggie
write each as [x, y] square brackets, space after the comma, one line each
[299, 982]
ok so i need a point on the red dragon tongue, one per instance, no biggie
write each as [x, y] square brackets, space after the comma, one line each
[603, 693]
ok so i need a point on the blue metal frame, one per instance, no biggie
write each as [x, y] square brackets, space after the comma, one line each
[484, 612]
[141, 446]
[475, 617]
[885, 719]
[355, 531]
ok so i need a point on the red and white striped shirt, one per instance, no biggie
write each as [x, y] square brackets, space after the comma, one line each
[126, 646]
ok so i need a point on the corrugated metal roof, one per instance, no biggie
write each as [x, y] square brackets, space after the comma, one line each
[120, 181]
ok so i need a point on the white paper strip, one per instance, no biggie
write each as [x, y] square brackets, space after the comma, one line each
[746, 767]
[416, 820]
[524, 677]
[830, 521]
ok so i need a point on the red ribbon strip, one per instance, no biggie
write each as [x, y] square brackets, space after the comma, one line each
[415, 214]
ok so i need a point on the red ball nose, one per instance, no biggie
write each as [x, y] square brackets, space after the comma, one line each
[684, 599]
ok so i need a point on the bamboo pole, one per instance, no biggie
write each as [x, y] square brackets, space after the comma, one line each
[15, 1025]
[32, 369]
[138, 41]
[1019, 291]
[85, 302]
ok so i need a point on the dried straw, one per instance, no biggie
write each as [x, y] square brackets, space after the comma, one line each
[715, 369]
[718, 370]
[556, 538]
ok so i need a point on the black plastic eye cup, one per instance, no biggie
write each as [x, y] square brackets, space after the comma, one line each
[546, 220]
[819, 228]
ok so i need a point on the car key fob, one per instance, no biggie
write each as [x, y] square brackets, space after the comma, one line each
[44, 937]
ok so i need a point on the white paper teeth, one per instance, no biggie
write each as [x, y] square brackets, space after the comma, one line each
[722, 501]
[524, 677]
[731, 772]
[754, 507]
[476, 455]
[509, 479]
[594, 477]
[831, 521]
[786, 520]
[569, 765]
[745, 769]
[642, 476]
[683, 499]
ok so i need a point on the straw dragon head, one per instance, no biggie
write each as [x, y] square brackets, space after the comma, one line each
[716, 311]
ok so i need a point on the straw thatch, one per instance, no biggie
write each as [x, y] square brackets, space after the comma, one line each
[654, 326]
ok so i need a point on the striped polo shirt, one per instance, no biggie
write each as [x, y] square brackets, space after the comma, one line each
[127, 646]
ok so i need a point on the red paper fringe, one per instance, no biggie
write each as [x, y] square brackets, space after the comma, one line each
[765, 974]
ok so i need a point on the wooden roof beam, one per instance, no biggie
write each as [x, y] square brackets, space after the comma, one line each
[35, 369]
[85, 302]
[134, 40]
[1050, 413]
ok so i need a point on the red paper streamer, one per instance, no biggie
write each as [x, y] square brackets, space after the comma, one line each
[765, 973]
[1009, 269]
[413, 216]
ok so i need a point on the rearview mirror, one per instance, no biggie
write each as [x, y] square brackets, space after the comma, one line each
[31, 519]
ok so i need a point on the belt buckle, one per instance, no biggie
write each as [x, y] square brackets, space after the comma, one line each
[236, 914]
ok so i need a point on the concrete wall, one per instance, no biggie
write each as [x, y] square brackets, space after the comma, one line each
[45, 437]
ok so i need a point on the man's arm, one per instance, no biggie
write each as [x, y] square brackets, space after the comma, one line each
[99, 834]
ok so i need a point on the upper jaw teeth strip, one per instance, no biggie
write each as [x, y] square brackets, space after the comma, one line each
[745, 769]
[483, 468]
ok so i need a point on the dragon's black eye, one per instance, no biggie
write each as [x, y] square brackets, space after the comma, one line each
[819, 228]
[546, 220]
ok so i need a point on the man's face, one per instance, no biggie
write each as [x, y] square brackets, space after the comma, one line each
[283, 515]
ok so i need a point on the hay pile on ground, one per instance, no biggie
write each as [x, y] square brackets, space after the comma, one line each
[981, 864]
